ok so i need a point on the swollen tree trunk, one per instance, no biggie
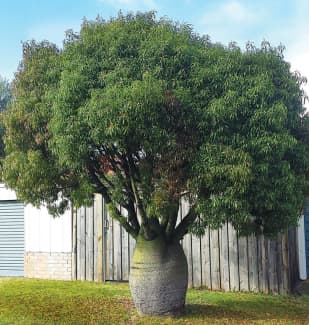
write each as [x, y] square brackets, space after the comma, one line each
[158, 277]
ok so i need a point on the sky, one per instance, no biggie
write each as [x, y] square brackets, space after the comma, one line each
[277, 21]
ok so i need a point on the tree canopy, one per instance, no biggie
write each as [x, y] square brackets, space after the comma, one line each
[148, 113]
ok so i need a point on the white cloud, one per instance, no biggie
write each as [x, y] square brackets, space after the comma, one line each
[133, 5]
[237, 12]
[230, 20]
[298, 55]
[294, 35]
[230, 12]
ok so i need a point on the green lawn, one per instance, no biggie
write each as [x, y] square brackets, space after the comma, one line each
[56, 302]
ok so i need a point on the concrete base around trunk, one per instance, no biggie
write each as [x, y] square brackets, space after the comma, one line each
[57, 266]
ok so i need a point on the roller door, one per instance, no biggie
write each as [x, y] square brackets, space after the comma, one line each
[11, 238]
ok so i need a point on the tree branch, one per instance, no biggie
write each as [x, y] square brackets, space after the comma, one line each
[120, 168]
[116, 214]
[100, 186]
[184, 225]
[139, 203]
[132, 215]
[171, 221]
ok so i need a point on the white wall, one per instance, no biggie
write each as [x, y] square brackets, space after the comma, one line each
[44, 233]
[6, 194]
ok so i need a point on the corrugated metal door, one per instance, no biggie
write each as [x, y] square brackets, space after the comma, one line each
[307, 237]
[11, 238]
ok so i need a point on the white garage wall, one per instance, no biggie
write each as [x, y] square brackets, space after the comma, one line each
[6, 194]
[44, 233]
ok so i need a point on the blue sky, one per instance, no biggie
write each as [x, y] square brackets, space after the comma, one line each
[278, 21]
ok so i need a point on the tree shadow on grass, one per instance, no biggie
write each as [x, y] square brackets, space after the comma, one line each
[244, 311]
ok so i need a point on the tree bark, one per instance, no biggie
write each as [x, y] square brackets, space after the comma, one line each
[158, 277]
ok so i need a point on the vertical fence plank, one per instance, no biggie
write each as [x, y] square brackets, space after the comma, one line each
[89, 243]
[82, 244]
[285, 263]
[266, 263]
[293, 261]
[105, 233]
[196, 262]
[117, 248]
[291, 257]
[233, 254]
[78, 250]
[272, 270]
[215, 259]
[224, 257]
[109, 248]
[125, 251]
[279, 263]
[95, 240]
[259, 263]
[74, 243]
[243, 264]
[206, 267]
[263, 282]
[253, 264]
[98, 248]
[188, 252]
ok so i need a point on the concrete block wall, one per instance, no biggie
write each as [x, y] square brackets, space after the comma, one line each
[56, 266]
[48, 244]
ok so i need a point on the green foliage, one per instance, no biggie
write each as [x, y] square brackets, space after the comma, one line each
[29, 165]
[1, 140]
[254, 164]
[5, 94]
[5, 99]
[148, 113]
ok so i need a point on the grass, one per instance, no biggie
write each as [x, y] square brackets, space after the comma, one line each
[24, 301]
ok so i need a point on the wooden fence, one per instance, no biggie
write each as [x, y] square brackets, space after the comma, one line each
[220, 260]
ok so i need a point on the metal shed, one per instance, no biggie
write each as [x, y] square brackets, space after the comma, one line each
[33, 243]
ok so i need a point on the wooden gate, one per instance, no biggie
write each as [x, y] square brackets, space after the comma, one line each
[220, 260]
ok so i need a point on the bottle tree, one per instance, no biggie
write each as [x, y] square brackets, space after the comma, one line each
[149, 114]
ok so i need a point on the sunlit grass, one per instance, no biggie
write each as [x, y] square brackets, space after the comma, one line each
[24, 301]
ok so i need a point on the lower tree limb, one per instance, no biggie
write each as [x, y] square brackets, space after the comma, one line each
[184, 225]
[115, 214]
[132, 215]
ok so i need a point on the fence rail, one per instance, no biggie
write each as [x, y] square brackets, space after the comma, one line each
[220, 260]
